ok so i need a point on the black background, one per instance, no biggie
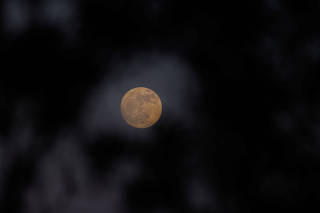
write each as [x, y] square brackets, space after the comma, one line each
[257, 62]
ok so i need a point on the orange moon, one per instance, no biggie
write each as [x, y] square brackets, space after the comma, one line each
[141, 107]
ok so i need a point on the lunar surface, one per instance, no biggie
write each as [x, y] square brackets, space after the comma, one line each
[141, 107]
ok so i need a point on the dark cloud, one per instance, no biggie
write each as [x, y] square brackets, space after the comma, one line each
[64, 182]
[19, 16]
[16, 16]
[201, 196]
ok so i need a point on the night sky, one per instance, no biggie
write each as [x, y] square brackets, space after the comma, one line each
[240, 87]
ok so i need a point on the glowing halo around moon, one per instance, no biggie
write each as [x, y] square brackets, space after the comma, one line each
[141, 107]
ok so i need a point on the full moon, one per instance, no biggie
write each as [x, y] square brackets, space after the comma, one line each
[141, 107]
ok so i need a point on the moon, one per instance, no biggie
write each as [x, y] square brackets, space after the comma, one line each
[141, 107]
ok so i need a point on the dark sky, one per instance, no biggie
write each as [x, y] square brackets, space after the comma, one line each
[240, 86]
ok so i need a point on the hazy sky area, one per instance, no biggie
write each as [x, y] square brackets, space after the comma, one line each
[168, 76]
[239, 85]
